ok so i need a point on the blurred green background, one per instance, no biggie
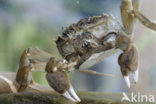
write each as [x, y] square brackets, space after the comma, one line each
[37, 23]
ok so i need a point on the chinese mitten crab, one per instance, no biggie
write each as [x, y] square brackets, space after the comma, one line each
[84, 44]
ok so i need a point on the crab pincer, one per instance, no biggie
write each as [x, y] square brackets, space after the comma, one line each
[128, 60]
[58, 80]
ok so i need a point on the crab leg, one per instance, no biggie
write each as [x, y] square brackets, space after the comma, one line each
[23, 76]
[136, 4]
[34, 59]
[144, 20]
[58, 79]
[87, 71]
[128, 60]
[127, 18]
[7, 80]
[38, 60]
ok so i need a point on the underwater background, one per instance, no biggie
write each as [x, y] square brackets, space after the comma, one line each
[37, 23]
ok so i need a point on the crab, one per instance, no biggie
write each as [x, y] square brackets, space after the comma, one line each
[84, 44]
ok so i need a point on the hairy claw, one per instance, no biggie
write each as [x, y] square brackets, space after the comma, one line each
[60, 83]
[128, 62]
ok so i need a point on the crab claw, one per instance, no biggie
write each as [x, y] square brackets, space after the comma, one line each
[128, 62]
[60, 83]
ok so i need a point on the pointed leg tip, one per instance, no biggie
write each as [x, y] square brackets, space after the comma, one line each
[135, 81]
[77, 102]
[127, 80]
[73, 93]
[136, 76]
[128, 85]
[67, 96]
